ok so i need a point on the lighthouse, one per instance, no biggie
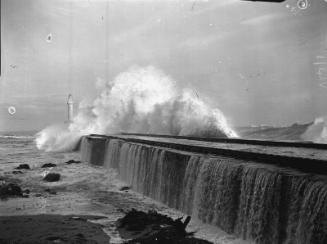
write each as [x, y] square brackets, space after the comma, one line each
[70, 107]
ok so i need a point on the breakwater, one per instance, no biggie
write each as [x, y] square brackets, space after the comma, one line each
[241, 194]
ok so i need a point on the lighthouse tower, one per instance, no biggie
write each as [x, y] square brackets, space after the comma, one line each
[70, 107]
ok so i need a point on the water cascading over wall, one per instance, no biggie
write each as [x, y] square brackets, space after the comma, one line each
[258, 202]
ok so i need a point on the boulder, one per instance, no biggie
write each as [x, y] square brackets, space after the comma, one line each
[10, 190]
[23, 166]
[125, 188]
[73, 162]
[48, 165]
[51, 191]
[147, 228]
[52, 177]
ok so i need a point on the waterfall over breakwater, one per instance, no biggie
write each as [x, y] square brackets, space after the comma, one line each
[258, 202]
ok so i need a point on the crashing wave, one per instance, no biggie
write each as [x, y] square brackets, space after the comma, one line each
[317, 131]
[141, 100]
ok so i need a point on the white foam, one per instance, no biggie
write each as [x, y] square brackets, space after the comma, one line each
[140, 100]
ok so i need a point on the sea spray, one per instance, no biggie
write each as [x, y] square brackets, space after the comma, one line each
[317, 132]
[140, 100]
[57, 138]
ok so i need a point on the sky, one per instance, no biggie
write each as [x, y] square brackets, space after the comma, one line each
[259, 63]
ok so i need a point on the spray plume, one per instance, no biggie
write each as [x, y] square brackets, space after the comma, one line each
[141, 100]
[317, 132]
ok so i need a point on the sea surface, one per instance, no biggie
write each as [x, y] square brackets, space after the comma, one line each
[20, 148]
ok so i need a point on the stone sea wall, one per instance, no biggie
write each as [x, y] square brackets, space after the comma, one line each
[255, 201]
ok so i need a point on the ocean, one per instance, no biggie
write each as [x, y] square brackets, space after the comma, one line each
[20, 147]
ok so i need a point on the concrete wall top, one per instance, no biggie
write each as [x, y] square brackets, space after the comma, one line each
[306, 159]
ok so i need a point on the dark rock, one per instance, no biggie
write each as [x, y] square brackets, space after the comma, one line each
[152, 227]
[52, 177]
[38, 195]
[137, 220]
[73, 162]
[51, 191]
[15, 172]
[23, 166]
[48, 165]
[10, 190]
[125, 188]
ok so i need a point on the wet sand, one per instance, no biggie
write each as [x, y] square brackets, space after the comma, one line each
[41, 229]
